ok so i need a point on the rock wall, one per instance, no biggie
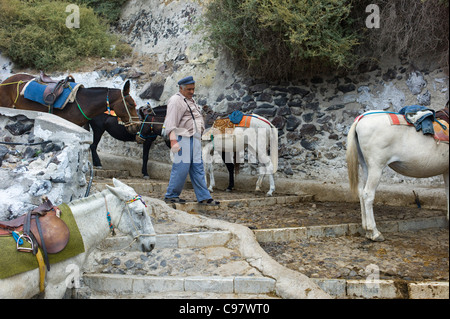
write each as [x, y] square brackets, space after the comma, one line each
[40, 155]
[312, 114]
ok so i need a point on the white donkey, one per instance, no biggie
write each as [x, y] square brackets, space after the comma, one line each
[259, 138]
[128, 214]
[374, 143]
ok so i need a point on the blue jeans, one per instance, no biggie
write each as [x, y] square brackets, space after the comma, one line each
[188, 160]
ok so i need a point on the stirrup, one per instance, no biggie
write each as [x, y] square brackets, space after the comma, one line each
[25, 249]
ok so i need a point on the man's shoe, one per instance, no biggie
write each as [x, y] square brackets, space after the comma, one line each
[174, 200]
[209, 202]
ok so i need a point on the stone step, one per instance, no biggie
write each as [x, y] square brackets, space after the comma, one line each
[189, 262]
[183, 240]
[383, 289]
[299, 233]
[110, 173]
[144, 285]
[244, 202]
[180, 295]
[141, 187]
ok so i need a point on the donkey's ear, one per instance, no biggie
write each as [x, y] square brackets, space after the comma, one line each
[126, 88]
[121, 190]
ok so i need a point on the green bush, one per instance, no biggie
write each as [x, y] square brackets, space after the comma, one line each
[110, 9]
[281, 38]
[34, 34]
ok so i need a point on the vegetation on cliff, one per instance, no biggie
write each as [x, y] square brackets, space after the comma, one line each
[42, 34]
[285, 38]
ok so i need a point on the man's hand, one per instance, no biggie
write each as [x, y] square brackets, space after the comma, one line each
[174, 146]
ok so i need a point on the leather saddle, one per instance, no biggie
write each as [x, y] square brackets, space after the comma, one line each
[54, 87]
[44, 221]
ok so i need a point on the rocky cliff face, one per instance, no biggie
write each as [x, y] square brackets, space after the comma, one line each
[313, 114]
[40, 155]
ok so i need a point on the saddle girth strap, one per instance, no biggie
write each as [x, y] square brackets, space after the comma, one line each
[27, 231]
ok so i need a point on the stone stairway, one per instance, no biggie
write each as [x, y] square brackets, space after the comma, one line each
[187, 262]
[197, 260]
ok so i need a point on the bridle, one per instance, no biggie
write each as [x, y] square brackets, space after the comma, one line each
[130, 118]
[151, 122]
[111, 226]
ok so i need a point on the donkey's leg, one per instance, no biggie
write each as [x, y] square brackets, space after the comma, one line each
[361, 186]
[267, 169]
[228, 159]
[97, 137]
[272, 185]
[368, 195]
[212, 181]
[446, 181]
[145, 150]
[208, 155]
[230, 168]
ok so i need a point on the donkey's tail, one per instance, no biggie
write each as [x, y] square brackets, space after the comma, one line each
[352, 159]
[274, 148]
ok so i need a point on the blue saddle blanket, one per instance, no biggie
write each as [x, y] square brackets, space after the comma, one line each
[34, 91]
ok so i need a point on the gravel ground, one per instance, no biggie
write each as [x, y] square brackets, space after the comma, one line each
[412, 255]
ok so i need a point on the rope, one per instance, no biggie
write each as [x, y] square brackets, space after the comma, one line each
[18, 89]
[79, 107]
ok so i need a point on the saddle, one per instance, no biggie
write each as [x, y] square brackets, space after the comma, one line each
[41, 227]
[54, 87]
[226, 125]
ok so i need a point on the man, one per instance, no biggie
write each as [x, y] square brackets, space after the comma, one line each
[184, 125]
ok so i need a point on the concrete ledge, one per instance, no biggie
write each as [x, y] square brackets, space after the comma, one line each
[339, 288]
[245, 202]
[186, 240]
[428, 290]
[297, 233]
[126, 284]
[143, 188]
[383, 289]
[209, 284]
[204, 239]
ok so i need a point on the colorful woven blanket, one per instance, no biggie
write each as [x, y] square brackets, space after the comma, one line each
[440, 127]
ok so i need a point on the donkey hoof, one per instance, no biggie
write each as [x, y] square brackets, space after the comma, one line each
[229, 189]
[375, 237]
[146, 177]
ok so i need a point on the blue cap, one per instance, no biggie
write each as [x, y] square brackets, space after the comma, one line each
[186, 80]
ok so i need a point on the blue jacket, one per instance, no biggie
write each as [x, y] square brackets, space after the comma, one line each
[425, 123]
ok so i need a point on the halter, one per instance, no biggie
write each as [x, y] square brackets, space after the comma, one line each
[130, 118]
[108, 107]
[151, 127]
[111, 226]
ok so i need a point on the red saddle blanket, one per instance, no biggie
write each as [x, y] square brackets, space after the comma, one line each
[440, 134]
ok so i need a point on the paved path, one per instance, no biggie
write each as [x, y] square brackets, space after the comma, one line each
[199, 257]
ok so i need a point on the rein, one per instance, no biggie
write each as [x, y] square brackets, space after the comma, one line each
[111, 226]
[18, 89]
